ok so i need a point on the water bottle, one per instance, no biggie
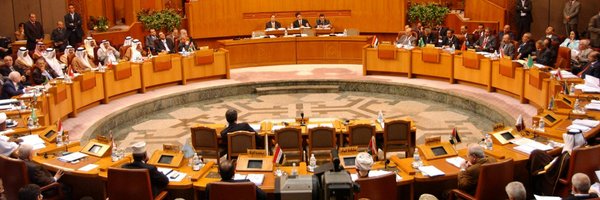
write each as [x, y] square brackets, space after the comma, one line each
[312, 162]
[294, 170]
[488, 142]
[114, 156]
[285, 32]
[572, 89]
[416, 159]
[541, 125]
[196, 162]
[345, 32]
[59, 138]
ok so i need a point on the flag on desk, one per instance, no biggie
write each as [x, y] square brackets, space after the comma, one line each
[565, 87]
[520, 126]
[71, 74]
[455, 135]
[529, 62]
[60, 128]
[278, 156]
[372, 146]
[421, 42]
[464, 46]
[501, 53]
[558, 75]
[375, 42]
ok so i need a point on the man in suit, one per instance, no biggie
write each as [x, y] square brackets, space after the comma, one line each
[594, 29]
[406, 39]
[550, 35]
[524, 17]
[543, 54]
[593, 67]
[227, 171]
[9, 66]
[581, 58]
[299, 22]
[186, 45]
[273, 24]
[34, 32]
[506, 31]
[37, 174]
[450, 40]
[41, 74]
[164, 44]
[158, 180]
[580, 187]
[5, 46]
[469, 39]
[29, 192]
[487, 42]
[12, 86]
[74, 30]
[526, 48]
[322, 22]
[150, 40]
[231, 116]
[59, 36]
[428, 37]
[469, 170]
[479, 32]
[507, 47]
[571, 15]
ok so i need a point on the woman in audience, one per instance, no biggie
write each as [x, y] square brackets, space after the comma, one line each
[20, 34]
[546, 169]
[572, 42]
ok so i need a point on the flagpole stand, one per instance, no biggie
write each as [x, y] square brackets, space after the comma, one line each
[278, 172]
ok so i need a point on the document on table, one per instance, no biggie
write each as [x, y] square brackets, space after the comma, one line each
[579, 127]
[374, 173]
[527, 145]
[173, 175]
[33, 140]
[256, 127]
[431, 171]
[538, 197]
[277, 127]
[456, 161]
[586, 122]
[88, 167]
[257, 179]
[72, 157]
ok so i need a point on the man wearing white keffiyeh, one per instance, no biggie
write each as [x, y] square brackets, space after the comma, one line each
[135, 53]
[24, 61]
[89, 44]
[108, 54]
[82, 62]
[68, 55]
[50, 57]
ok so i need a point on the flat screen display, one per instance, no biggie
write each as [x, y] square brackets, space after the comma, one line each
[255, 164]
[439, 151]
[95, 148]
[165, 159]
[49, 134]
[550, 118]
[567, 101]
[507, 136]
[349, 161]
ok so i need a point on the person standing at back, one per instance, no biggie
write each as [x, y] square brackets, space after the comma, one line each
[571, 15]
[34, 32]
[74, 30]
[524, 18]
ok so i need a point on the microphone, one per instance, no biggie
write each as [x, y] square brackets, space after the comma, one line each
[302, 119]
[335, 159]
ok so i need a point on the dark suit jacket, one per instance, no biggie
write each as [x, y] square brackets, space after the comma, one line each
[467, 180]
[322, 23]
[260, 195]
[9, 90]
[60, 36]
[526, 49]
[588, 196]
[572, 11]
[150, 41]
[161, 47]
[526, 9]
[233, 128]
[158, 180]
[501, 34]
[38, 78]
[450, 41]
[508, 49]
[32, 33]
[428, 39]
[544, 57]
[592, 70]
[38, 175]
[73, 25]
[489, 46]
[268, 25]
[304, 22]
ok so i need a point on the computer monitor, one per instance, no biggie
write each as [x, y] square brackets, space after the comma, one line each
[166, 159]
[439, 151]
[255, 164]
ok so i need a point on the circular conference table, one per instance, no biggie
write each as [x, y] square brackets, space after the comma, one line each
[126, 78]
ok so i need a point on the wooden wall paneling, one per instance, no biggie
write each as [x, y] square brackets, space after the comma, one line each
[484, 10]
[22, 8]
[540, 18]
[7, 14]
[52, 12]
[110, 11]
[117, 38]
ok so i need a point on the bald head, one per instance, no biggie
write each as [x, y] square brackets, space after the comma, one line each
[24, 151]
[14, 77]
[227, 170]
[581, 183]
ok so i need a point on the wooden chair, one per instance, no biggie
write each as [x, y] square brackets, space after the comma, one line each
[14, 175]
[563, 60]
[360, 135]
[239, 142]
[379, 187]
[231, 190]
[583, 160]
[490, 181]
[290, 141]
[397, 137]
[321, 140]
[119, 184]
[205, 143]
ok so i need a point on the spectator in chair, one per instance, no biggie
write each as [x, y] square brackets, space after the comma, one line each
[516, 191]
[363, 162]
[227, 171]
[469, 170]
[580, 188]
[231, 115]
[158, 180]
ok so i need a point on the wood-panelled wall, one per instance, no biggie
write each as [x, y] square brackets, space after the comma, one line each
[219, 18]
[13, 12]
[549, 13]
[486, 10]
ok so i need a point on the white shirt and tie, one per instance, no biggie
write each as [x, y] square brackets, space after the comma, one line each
[166, 46]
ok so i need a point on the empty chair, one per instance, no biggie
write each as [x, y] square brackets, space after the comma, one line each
[205, 143]
[119, 184]
[321, 140]
[583, 160]
[379, 187]
[231, 190]
[290, 141]
[492, 177]
[239, 142]
[397, 138]
[13, 173]
[360, 135]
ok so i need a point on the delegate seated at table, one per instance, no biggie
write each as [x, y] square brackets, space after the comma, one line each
[322, 22]
[272, 24]
[299, 22]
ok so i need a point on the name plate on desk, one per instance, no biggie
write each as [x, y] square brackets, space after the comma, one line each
[550, 118]
[122, 71]
[430, 55]
[162, 63]
[254, 164]
[471, 60]
[437, 150]
[49, 136]
[97, 147]
[88, 81]
[507, 67]
[204, 57]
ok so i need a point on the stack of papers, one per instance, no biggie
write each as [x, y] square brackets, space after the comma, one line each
[72, 157]
[564, 74]
[257, 179]
[527, 145]
[591, 85]
[256, 127]
[173, 175]
[33, 140]
[88, 167]
[538, 197]
[431, 171]
[456, 161]
[375, 173]
[583, 124]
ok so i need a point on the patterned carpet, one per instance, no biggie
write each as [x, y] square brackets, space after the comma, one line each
[171, 126]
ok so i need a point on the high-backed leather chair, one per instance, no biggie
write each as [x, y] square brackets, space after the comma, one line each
[583, 160]
[360, 135]
[205, 143]
[563, 60]
[13, 173]
[231, 190]
[397, 137]
[321, 140]
[290, 141]
[239, 142]
[119, 184]
[379, 187]
[492, 178]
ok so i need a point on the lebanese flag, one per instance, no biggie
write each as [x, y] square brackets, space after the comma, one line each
[373, 146]
[501, 53]
[278, 156]
[520, 125]
[375, 42]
